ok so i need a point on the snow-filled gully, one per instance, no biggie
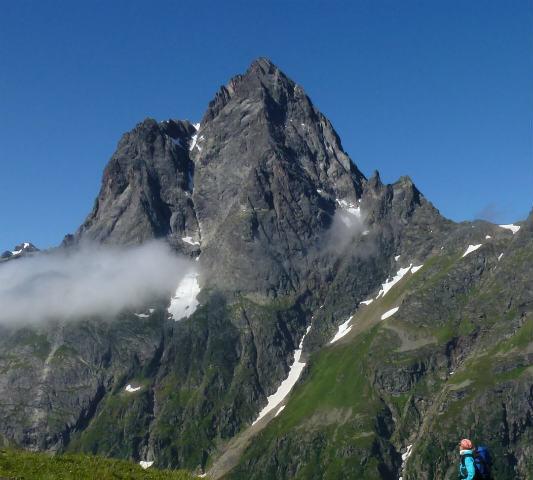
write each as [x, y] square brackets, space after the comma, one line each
[286, 386]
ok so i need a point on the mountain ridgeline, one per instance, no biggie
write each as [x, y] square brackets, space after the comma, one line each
[432, 320]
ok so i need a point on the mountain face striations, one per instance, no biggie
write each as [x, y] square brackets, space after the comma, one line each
[415, 331]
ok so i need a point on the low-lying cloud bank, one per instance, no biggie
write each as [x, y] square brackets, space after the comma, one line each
[89, 280]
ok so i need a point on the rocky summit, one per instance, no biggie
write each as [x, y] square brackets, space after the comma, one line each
[336, 327]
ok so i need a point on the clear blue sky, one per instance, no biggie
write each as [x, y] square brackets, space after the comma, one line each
[439, 90]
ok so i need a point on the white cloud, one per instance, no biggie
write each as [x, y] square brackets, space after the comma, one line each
[88, 280]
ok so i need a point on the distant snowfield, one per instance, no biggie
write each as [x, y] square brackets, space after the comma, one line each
[144, 464]
[183, 304]
[415, 269]
[513, 228]
[131, 389]
[286, 386]
[344, 329]
[389, 313]
[470, 249]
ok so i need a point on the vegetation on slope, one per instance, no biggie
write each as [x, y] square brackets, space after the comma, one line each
[22, 465]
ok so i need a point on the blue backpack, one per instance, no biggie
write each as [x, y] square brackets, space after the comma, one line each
[482, 462]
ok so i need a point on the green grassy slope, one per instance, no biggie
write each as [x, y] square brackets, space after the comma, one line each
[21, 465]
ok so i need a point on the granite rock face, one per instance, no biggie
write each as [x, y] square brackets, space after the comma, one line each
[146, 187]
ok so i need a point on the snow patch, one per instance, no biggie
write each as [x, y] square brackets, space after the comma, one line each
[405, 456]
[286, 386]
[470, 249]
[190, 241]
[416, 268]
[194, 138]
[144, 464]
[344, 329]
[280, 410]
[193, 142]
[131, 389]
[397, 257]
[183, 304]
[487, 237]
[389, 313]
[513, 228]
[25, 245]
[141, 315]
[385, 287]
[367, 302]
[407, 453]
[349, 207]
[500, 256]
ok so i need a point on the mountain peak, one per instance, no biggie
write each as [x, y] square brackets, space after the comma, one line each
[263, 65]
[261, 75]
[20, 250]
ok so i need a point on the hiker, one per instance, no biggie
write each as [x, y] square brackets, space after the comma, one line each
[475, 463]
[467, 469]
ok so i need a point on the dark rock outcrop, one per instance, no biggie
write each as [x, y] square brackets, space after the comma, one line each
[146, 187]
